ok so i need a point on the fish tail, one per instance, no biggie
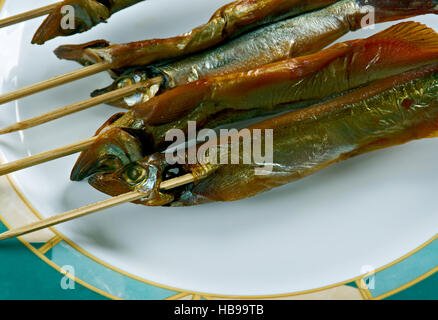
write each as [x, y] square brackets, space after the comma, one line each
[400, 47]
[414, 33]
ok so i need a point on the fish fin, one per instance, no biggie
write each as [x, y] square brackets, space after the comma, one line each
[413, 32]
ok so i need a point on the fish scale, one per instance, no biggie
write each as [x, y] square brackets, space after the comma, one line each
[302, 147]
[279, 87]
[306, 141]
[281, 40]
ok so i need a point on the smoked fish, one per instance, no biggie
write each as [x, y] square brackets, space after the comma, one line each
[389, 112]
[227, 22]
[293, 37]
[271, 89]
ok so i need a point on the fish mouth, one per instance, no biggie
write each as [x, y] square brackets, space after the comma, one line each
[87, 13]
[102, 91]
[113, 149]
[82, 54]
[116, 103]
[121, 181]
[128, 79]
[109, 184]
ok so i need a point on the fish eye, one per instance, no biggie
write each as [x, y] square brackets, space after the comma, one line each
[134, 175]
[124, 82]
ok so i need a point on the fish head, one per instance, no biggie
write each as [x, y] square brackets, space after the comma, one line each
[83, 53]
[129, 78]
[87, 13]
[113, 149]
[143, 175]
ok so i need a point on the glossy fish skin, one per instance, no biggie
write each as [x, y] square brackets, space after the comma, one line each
[120, 147]
[227, 22]
[389, 112]
[294, 37]
[286, 39]
[271, 89]
[88, 13]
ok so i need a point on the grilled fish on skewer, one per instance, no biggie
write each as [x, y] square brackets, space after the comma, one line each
[227, 22]
[392, 111]
[293, 37]
[389, 112]
[271, 89]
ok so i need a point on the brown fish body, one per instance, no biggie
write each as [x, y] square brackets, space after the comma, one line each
[341, 67]
[271, 89]
[293, 37]
[289, 38]
[388, 112]
[227, 22]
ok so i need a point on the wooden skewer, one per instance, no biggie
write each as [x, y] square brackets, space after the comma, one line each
[76, 107]
[68, 149]
[46, 156]
[28, 15]
[98, 206]
[54, 82]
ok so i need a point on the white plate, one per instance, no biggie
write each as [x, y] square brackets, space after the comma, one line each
[322, 230]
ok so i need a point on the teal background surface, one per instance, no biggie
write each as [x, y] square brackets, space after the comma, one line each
[23, 275]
